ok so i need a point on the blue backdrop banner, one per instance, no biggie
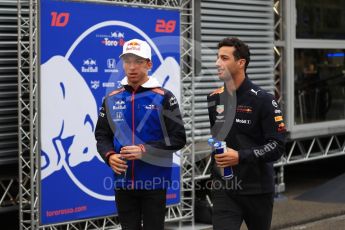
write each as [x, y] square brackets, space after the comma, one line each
[80, 44]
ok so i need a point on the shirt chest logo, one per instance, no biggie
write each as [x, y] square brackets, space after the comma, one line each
[244, 109]
[118, 116]
[173, 101]
[120, 104]
[274, 103]
[243, 121]
[255, 92]
[150, 107]
[220, 110]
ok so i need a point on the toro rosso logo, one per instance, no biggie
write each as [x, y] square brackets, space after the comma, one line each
[113, 39]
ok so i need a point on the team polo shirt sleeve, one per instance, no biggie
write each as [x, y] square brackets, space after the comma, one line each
[104, 135]
[273, 128]
[211, 105]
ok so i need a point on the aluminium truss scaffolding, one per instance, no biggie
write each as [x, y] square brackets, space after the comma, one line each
[279, 77]
[28, 136]
[28, 113]
[8, 193]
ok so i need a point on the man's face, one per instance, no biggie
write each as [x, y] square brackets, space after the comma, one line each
[226, 64]
[136, 68]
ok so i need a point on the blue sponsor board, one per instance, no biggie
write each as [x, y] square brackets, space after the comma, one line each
[80, 44]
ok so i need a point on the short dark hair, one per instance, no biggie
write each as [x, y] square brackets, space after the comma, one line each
[241, 49]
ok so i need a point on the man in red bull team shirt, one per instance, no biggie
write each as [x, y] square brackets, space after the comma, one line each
[249, 120]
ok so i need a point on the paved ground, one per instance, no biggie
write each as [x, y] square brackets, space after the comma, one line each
[289, 213]
[299, 179]
[333, 223]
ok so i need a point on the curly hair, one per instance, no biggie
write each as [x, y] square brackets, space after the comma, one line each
[241, 49]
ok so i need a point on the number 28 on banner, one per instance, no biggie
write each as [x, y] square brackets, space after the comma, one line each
[165, 27]
[59, 19]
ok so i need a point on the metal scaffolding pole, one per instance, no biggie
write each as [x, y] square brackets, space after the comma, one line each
[279, 77]
[8, 193]
[28, 114]
[187, 74]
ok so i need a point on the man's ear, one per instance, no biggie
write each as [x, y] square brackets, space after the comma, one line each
[242, 63]
[149, 64]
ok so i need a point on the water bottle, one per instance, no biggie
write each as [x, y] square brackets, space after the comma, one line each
[219, 147]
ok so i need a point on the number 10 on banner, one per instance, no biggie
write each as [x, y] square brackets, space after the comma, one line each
[59, 19]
